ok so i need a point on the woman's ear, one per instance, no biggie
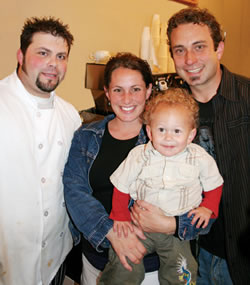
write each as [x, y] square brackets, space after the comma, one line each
[149, 91]
[106, 92]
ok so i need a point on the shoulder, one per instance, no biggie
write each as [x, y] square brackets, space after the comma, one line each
[198, 150]
[235, 87]
[66, 107]
[94, 128]
[9, 85]
[6, 80]
[138, 149]
[97, 125]
[235, 77]
[139, 153]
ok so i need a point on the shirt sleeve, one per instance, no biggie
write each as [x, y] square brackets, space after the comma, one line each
[120, 211]
[211, 200]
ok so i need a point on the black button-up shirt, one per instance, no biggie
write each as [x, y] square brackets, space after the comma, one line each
[231, 129]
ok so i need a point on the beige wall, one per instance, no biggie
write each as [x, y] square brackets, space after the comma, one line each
[114, 25]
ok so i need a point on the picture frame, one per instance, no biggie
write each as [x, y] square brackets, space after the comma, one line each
[188, 2]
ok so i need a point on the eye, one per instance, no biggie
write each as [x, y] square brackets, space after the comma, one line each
[177, 131]
[42, 53]
[136, 89]
[61, 56]
[116, 90]
[161, 130]
[178, 51]
[199, 47]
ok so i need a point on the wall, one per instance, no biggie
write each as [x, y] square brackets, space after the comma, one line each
[115, 26]
[234, 17]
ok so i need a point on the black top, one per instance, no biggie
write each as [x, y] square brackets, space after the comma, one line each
[214, 242]
[112, 153]
[231, 132]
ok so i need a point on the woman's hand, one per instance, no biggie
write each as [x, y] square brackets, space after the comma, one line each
[151, 218]
[128, 247]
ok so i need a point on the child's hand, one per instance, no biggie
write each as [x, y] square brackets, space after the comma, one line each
[202, 214]
[122, 228]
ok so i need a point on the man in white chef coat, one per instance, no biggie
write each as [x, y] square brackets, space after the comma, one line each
[36, 128]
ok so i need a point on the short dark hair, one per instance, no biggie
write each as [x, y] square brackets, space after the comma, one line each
[48, 25]
[130, 61]
[196, 16]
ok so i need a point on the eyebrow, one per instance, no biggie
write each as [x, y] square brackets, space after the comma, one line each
[194, 43]
[199, 42]
[49, 51]
[44, 48]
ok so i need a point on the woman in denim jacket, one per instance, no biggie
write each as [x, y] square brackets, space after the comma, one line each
[97, 150]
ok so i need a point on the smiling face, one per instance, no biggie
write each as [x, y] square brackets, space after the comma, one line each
[195, 59]
[127, 94]
[44, 64]
[171, 129]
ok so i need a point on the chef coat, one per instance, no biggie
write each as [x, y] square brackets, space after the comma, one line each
[34, 146]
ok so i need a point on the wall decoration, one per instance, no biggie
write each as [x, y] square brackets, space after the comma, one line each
[187, 2]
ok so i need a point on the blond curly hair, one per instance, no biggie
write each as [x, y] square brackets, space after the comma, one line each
[172, 96]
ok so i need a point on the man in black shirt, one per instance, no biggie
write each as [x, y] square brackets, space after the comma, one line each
[197, 45]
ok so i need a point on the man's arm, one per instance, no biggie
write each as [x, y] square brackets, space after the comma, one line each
[152, 219]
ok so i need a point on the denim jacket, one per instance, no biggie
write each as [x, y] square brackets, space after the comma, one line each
[88, 214]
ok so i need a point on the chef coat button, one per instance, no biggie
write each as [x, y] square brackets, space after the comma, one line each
[46, 213]
[61, 173]
[43, 244]
[63, 204]
[43, 180]
[59, 142]
[61, 234]
[40, 146]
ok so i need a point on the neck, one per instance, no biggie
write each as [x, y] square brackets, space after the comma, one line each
[124, 130]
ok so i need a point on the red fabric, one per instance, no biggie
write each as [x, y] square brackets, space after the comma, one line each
[211, 200]
[120, 211]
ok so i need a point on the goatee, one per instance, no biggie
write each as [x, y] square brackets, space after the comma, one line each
[48, 86]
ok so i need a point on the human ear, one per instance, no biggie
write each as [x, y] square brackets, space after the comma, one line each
[192, 135]
[220, 50]
[149, 91]
[148, 129]
[106, 92]
[20, 57]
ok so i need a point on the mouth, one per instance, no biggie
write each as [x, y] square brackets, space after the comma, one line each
[169, 146]
[128, 109]
[194, 70]
[49, 75]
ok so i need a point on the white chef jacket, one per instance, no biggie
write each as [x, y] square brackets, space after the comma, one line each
[34, 146]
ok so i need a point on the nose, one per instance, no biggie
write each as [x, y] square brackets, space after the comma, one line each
[190, 57]
[168, 136]
[52, 61]
[126, 97]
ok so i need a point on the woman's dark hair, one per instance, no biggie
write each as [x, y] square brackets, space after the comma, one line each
[196, 16]
[44, 25]
[130, 61]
